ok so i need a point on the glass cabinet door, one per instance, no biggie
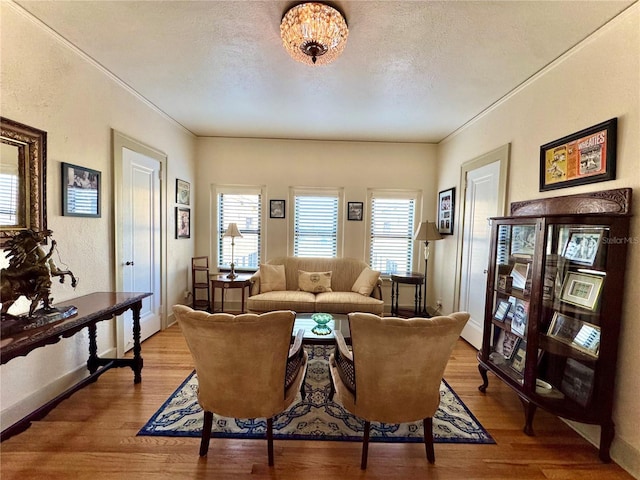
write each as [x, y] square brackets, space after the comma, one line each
[515, 250]
[569, 330]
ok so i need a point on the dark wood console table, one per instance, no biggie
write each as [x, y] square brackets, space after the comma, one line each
[416, 279]
[92, 308]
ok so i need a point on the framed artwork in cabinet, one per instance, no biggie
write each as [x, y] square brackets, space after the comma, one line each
[582, 246]
[577, 382]
[581, 335]
[582, 289]
[519, 357]
[501, 310]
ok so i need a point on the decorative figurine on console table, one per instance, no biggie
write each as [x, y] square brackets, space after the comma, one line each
[29, 274]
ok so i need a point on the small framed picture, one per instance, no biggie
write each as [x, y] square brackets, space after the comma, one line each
[354, 211]
[582, 289]
[501, 310]
[183, 222]
[582, 246]
[505, 343]
[276, 208]
[577, 382]
[183, 192]
[581, 335]
[519, 357]
[505, 283]
[520, 274]
[80, 191]
[446, 210]
[520, 317]
[523, 240]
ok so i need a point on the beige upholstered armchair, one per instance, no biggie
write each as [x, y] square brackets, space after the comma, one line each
[245, 364]
[393, 372]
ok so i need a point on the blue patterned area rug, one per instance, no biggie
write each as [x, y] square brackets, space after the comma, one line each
[315, 417]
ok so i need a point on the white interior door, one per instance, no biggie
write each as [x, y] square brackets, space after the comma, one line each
[481, 199]
[139, 256]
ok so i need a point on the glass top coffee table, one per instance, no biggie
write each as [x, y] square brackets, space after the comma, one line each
[338, 322]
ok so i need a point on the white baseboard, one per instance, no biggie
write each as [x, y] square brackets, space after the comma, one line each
[622, 452]
[29, 404]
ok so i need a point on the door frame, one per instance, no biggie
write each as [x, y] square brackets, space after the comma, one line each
[500, 154]
[120, 141]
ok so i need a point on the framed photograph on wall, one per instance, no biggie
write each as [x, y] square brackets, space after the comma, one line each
[354, 211]
[183, 192]
[446, 209]
[183, 222]
[80, 191]
[587, 156]
[276, 208]
[582, 289]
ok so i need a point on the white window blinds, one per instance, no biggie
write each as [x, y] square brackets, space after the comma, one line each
[391, 235]
[315, 226]
[243, 209]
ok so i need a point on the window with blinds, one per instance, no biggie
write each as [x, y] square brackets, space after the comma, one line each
[315, 225]
[391, 234]
[245, 210]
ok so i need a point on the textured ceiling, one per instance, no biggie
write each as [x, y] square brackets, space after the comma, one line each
[412, 71]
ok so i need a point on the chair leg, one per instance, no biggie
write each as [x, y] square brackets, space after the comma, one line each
[206, 433]
[427, 425]
[365, 445]
[270, 440]
[332, 389]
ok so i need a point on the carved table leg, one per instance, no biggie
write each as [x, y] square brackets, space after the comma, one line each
[607, 431]
[137, 349]
[529, 412]
[485, 379]
[92, 363]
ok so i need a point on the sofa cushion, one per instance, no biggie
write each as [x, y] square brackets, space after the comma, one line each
[272, 278]
[314, 282]
[347, 302]
[366, 281]
[300, 302]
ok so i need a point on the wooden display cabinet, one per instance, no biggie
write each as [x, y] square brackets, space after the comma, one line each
[554, 304]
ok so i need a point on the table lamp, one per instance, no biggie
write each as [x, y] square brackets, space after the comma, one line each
[427, 232]
[233, 232]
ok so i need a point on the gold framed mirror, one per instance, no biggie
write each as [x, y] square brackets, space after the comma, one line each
[23, 193]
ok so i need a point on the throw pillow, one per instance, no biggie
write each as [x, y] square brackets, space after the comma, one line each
[272, 278]
[365, 283]
[314, 282]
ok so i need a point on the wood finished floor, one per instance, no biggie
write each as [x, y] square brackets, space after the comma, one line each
[92, 436]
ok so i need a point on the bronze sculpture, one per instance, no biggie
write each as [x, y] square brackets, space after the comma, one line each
[29, 274]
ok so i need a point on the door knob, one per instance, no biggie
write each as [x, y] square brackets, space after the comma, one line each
[129, 263]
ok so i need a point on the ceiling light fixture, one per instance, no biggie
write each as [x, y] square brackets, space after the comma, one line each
[314, 33]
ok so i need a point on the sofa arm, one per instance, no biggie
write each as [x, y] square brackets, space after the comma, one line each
[254, 288]
[377, 290]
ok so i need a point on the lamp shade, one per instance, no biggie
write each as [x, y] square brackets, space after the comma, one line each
[232, 231]
[427, 231]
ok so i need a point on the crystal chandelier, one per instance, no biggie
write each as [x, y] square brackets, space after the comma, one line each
[314, 33]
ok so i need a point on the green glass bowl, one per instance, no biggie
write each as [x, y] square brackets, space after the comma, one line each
[321, 320]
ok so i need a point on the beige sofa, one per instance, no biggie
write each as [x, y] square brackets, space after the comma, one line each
[281, 282]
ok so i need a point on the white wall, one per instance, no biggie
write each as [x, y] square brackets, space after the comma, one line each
[50, 86]
[596, 81]
[281, 164]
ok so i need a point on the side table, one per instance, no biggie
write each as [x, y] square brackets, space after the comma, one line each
[416, 279]
[221, 281]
